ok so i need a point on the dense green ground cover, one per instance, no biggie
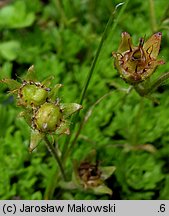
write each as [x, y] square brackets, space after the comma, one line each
[124, 130]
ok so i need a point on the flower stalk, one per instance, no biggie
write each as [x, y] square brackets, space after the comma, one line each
[54, 153]
[152, 16]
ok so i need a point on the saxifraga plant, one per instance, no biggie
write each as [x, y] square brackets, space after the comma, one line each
[42, 110]
[47, 118]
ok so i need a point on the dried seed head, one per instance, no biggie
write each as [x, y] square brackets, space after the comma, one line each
[89, 174]
[136, 64]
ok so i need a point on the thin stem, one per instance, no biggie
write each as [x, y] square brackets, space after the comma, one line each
[135, 133]
[111, 18]
[165, 15]
[84, 120]
[50, 189]
[158, 82]
[54, 153]
[152, 16]
[141, 89]
[89, 113]
[91, 71]
[145, 91]
[59, 6]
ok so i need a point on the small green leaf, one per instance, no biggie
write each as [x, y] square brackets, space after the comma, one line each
[36, 137]
[26, 116]
[107, 171]
[16, 16]
[102, 189]
[68, 185]
[6, 70]
[48, 80]
[12, 84]
[63, 128]
[9, 50]
[30, 75]
[53, 95]
[70, 108]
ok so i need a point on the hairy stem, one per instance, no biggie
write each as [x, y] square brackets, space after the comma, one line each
[54, 153]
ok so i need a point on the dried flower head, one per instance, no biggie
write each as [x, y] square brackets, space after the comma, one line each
[136, 63]
[89, 174]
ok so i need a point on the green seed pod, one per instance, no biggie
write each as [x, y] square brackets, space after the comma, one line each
[31, 93]
[47, 117]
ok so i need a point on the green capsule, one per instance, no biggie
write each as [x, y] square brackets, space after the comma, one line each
[32, 94]
[48, 117]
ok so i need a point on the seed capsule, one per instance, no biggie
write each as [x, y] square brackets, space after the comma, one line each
[48, 117]
[31, 93]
